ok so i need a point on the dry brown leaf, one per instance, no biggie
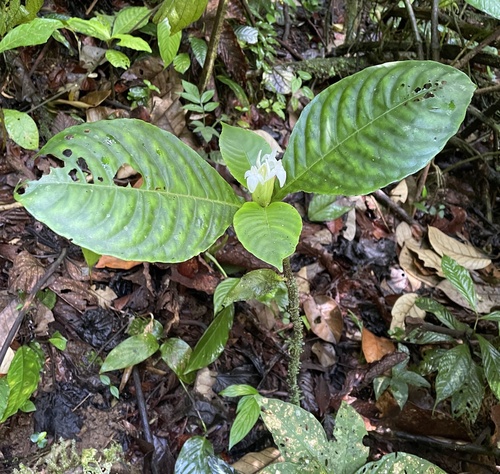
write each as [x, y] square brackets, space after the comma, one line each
[325, 353]
[405, 306]
[205, 380]
[25, 273]
[400, 192]
[407, 263]
[252, 463]
[350, 226]
[488, 297]
[324, 316]
[73, 292]
[465, 254]
[107, 261]
[375, 347]
[403, 233]
[7, 318]
[265, 315]
[105, 297]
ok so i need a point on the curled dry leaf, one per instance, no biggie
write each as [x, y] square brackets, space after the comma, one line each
[405, 306]
[253, 463]
[324, 316]
[465, 254]
[400, 192]
[325, 353]
[407, 263]
[403, 233]
[375, 347]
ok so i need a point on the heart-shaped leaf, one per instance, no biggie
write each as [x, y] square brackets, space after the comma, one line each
[270, 233]
[375, 127]
[181, 208]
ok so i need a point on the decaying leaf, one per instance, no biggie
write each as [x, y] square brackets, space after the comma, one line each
[25, 273]
[405, 306]
[400, 192]
[252, 463]
[324, 316]
[325, 353]
[407, 263]
[487, 296]
[465, 254]
[375, 347]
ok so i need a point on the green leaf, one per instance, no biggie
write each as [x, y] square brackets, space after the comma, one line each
[182, 62]
[22, 378]
[180, 13]
[491, 7]
[180, 210]
[130, 19]
[270, 233]
[298, 434]
[58, 341]
[4, 395]
[399, 463]
[197, 457]
[238, 391]
[96, 27]
[132, 42]
[494, 316]
[287, 468]
[453, 370]
[444, 316]
[47, 297]
[192, 90]
[131, 351]
[199, 48]
[212, 343]
[460, 278]
[91, 258]
[247, 415]
[348, 452]
[167, 44]
[247, 34]
[176, 353]
[221, 291]
[117, 59]
[467, 401]
[380, 385]
[21, 128]
[325, 207]
[375, 127]
[37, 31]
[240, 149]
[491, 364]
[239, 92]
[399, 390]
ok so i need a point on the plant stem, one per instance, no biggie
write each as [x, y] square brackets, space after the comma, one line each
[297, 340]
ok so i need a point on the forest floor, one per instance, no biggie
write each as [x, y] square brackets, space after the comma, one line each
[351, 270]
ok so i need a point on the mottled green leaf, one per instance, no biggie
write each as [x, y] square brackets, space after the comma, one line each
[468, 399]
[37, 31]
[132, 42]
[253, 285]
[117, 59]
[453, 369]
[491, 364]
[444, 316]
[375, 127]
[131, 351]
[400, 463]
[21, 128]
[460, 278]
[182, 207]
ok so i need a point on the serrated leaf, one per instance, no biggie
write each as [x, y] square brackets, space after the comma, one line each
[299, 435]
[117, 59]
[96, 27]
[491, 364]
[375, 127]
[247, 415]
[240, 149]
[270, 233]
[460, 278]
[130, 19]
[37, 31]
[348, 452]
[131, 351]
[21, 128]
[400, 463]
[464, 254]
[167, 44]
[453, 369]
[176, 353]
[180, 13]
[132, 42]
[212, 343]
[22, 378]
[491, 7]
[182, 207]
[323, 207]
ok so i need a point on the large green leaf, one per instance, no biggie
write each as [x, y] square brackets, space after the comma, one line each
[375, 127]
[182, 207]
[248, 413]
[37, 31]
[180, 13]
[491, 7]
[167, 44]
[491, 364]
[467, 401]
[270, 233]
[400, 463]
[98, 27]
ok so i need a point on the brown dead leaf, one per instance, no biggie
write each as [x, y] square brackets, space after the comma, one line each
[253, 463]
[324, 316]
[400, 192]
[495, 417]
[407, 263]
[375, 347]
[488, 297]
[107, 261]
[404, 307]
[105, 297]
[8, 316]
[465, 254]
[325, 353]
[25, 273]
[75, 293]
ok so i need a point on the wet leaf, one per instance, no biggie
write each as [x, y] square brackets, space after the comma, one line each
[131, 351]
[176, 354]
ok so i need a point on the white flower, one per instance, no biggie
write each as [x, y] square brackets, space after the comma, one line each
[266, 168]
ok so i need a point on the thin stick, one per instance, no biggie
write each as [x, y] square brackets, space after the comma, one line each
[460, 64]
[435, 31]
[414, 27]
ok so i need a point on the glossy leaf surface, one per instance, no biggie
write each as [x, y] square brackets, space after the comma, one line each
[21, 128]
[37, 31]
[130, 19]
[400, 463]
[167, 44]
[491, 364]
[176, 353]
[375, 127]
[182, 207]
[248, 413]
[197, 457]
[131, 351]
[270, 233]
[180, 13]
[453, 370]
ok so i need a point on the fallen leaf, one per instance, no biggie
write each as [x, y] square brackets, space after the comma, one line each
[252, 463]
[404, 307]
[375, 347]
[324, 316]
[487, 296]
[400, 192]
[25, 273]
[325, 353]
[107, 261]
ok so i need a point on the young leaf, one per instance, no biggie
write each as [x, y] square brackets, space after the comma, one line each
[348, 452]
[375, 127]
[58, 340]
[176, 353]
[240, 149]
[180, 13]
[181, 62]
[323, 207]
[212, 343]
[460, 278]
[132, 42]
[96, 27]
[131, 351]
[37, 31]
[182, 207]
[221, 291]
[199, 48]
[466, 402]
[491, 364]
[21, 128]
[130, 19]
[117, 59]
[239, 92]
[399, 463]
[167, 44]
[238, 391]
[270, 233]
[453, 370]
[247, 415]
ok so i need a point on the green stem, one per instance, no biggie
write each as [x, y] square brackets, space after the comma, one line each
[297, 340]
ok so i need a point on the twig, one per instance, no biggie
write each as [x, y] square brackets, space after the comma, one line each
[435, 31]
[8, 207]
[25, 307]
[297, 340]
[487, 90]
[294, 53]
[414, 27]
[473, 52]
[399, 211]
[213, 45]
[286, 14]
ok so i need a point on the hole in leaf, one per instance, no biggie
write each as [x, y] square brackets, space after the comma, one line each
[428, 95]
[127, 175]
[82, 164]
[427, 85]
[67, 153]
[86, 130]
[69, 137]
